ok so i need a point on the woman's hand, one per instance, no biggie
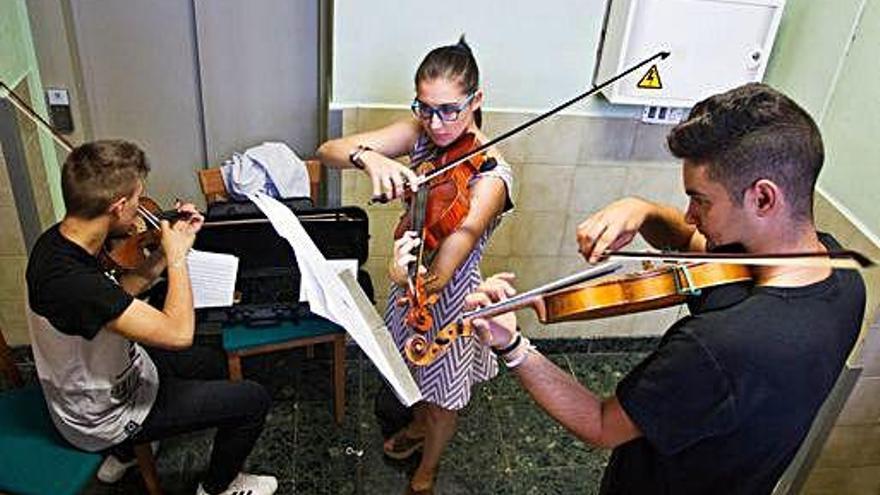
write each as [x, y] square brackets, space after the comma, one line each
[499, 331]
[403, 256]
[390, 177]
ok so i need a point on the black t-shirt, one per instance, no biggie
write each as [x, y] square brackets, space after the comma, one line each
[729, 394]
[68, 287]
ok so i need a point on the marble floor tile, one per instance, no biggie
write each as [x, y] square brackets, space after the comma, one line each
[504, 443]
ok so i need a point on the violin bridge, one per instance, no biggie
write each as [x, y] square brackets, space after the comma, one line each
[684, 281]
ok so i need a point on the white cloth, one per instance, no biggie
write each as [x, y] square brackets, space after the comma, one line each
[270, 168]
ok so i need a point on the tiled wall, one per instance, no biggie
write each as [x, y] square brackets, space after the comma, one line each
[13, 260]
[565, 168]
[850, 460]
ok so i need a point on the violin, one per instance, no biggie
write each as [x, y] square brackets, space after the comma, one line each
[439, 208]
[435, 212]
[130, 251]
[571, 299]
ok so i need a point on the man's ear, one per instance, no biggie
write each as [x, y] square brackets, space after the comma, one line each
[117, 206]
[764, 197]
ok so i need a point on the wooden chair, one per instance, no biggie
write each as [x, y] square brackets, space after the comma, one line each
[36, 459]
[240, 341]
[214, 189]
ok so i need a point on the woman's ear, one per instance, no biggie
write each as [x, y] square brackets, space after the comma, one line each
[764, 197]
[477, 100]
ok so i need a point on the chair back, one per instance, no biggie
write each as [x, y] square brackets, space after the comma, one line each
[214, 189]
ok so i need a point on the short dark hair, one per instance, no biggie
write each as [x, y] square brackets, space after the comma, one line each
[750, 133]
[98, 173]
[455, 63]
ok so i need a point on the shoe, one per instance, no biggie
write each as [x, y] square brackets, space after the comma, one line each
[424, 491]
[112, 469]
[250, 484]
[403, 446]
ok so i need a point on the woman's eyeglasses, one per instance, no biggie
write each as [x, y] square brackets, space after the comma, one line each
[447, 112]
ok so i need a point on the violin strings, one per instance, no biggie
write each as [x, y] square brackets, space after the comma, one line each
[148, 215]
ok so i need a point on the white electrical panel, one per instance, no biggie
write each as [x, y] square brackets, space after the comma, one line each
[715, 45]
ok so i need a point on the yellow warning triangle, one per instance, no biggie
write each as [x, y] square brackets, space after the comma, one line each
[651, 80]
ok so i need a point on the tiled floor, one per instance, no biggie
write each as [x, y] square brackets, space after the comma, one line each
[504, 443]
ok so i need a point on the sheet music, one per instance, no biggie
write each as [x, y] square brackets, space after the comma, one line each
[335, 295]
[212, 276]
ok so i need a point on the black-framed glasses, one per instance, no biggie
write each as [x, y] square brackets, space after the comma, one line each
[447, 112]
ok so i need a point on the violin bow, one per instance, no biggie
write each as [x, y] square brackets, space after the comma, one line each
[662, 55]
[842, 259]
[24, 108]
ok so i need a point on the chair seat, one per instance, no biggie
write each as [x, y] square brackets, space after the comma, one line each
[241, 337]
[35, 458]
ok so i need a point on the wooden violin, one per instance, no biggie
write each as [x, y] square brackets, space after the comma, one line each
[434, 212]
[439, 209]
[130, 251]
[571, 299]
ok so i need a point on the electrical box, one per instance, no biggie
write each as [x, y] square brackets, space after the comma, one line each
[715, 45]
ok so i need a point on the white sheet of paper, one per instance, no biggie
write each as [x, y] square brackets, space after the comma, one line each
[212, 276]
[334, 294]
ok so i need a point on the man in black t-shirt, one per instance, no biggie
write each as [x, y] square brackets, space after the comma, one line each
[115, 370]
[724, 402]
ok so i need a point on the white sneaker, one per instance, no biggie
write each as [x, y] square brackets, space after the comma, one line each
[247, 484]
[112, 469]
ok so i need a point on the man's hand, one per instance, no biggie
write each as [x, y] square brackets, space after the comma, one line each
[498, 331]
[388, 176]
[193, 220]
[611, 228]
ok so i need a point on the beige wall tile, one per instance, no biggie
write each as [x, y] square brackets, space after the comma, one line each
[13, 321]
[500, 241]
[369, 119]
[650, 143]
[597, 185]
[545, 187]
[554, 141]
[863, 405]
[382, 225]
[536, 233]
[349, 121]
[869, 356]
[11, 241]
[844, 481]
[605, 139]
[497, 123]
[12, 282]
[6, 195]
[657, 182]
[851, 446]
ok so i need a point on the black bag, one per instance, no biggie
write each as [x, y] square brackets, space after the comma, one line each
[268, 277]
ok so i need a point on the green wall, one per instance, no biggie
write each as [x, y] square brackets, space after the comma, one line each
[825, 57]
[18, 62]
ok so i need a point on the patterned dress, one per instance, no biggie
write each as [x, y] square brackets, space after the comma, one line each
[447, 381]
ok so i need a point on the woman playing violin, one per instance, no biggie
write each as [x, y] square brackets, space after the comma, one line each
[446, 107]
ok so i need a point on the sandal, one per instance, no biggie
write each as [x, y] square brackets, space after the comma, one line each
[403, 446]
[412, 491]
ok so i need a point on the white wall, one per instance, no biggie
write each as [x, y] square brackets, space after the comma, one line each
[532, 54]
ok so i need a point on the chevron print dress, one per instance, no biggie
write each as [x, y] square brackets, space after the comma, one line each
[447, 381]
